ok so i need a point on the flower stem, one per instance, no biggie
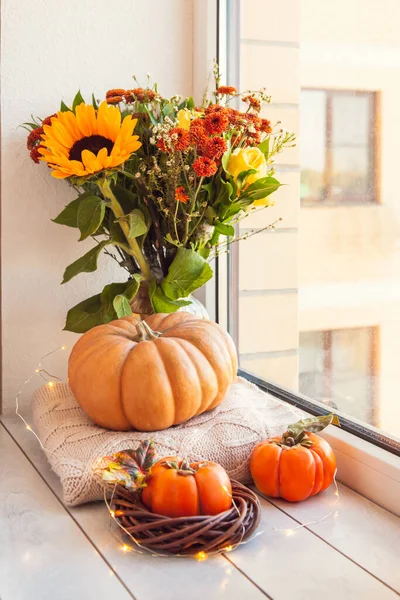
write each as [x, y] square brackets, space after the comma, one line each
[135, 249]
[192, 205]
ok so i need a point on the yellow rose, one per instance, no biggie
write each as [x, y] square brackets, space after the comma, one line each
[243, 159]
[183, 118]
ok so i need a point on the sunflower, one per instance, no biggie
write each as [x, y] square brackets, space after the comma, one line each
[88, 141]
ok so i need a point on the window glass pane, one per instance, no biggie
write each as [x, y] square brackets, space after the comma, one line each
[313, 148]
[336, 368]
[351, 120]
[315, 305]
[350, 174]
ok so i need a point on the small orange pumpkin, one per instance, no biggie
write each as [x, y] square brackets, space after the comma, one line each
[297, 464]
[176, 488]
[151, 374]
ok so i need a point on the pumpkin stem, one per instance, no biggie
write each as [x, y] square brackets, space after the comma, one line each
[182, 468]
[145, 332]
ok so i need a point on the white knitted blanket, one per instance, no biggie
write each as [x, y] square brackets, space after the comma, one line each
[225, 435]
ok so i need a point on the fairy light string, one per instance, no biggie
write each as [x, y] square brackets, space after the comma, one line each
[40, 371]
[200, 556]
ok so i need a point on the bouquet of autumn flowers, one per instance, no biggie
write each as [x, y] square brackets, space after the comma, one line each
[161, 184]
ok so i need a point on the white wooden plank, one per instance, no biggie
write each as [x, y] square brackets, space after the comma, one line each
[363, 531]
[43, 554]
[303, 566]
[145, 576]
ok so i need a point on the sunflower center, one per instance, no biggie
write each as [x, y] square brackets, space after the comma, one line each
[94, 143]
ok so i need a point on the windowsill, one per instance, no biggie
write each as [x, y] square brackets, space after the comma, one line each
[336, 546]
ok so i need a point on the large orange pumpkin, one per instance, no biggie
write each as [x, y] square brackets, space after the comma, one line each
[179, 489]
[297, 464]
[153, 373]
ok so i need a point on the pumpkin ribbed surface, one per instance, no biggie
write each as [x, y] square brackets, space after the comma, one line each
[124, 379]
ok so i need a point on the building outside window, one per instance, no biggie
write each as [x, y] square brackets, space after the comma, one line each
[338, 131]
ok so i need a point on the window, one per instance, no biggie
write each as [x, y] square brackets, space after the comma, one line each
[338, 368]
[314, 307]
[338, 133]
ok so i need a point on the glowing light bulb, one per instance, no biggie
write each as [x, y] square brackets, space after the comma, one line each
[29, 428]
[37, 370]
[63, 347]
[50, 384]
[112, 513]
[228, 549]
[125, 548]
[200, 556]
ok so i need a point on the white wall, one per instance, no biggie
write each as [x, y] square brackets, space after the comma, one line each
[49, 50]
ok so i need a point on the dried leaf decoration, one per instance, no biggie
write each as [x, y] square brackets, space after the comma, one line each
[297, 433]
[129, 468]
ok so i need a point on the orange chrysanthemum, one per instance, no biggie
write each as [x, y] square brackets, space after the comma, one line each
[197, 131]
[226, 90]
[204, 166]
[140, 94]
[214, 148]
[115, 96]
[85, 142]
[216, 122]
[265, 126]
[34, 137]
[180, 138]
[114, 99]
[181, 195]
[253, 101]
[253, 139]
[116, 92]
[213, 108]
[161, 145]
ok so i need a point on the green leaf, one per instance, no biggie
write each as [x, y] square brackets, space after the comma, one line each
[225, 159]
[94, 102]
[121, 302]
[260, 189]
[264, 147]
[127, 199]
[64, 107]
[69, 215]
[190, 103]
[77, 100]
[85, 264]
[160, 302]
[225, 192]
[85, 315]
[187, 272]
[137, 223]
[242, 177]
[224, 228]
[169, 110]
[121, 306]
[108, 295]
[91, 213]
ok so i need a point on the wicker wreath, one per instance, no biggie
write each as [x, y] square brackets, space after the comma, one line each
[185, 536]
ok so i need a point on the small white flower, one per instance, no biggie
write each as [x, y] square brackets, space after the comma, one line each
[168, 163]
[152, 140]
[187, 167]
[137, 175]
